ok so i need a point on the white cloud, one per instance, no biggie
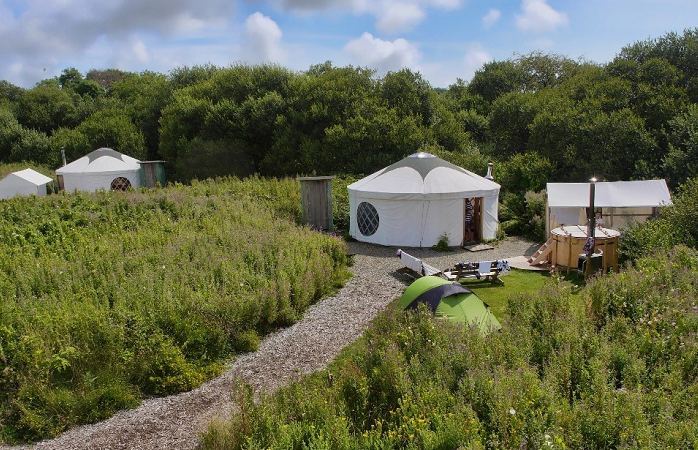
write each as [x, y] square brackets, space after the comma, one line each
[475, 57]
[264, 39]
[384, 56]
[396, 17]
[40, 33]
[491, 17]
[140, 51]
[392, 16]
[539, 17]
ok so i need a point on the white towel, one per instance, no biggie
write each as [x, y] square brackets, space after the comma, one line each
[411, 262]
[485, 267]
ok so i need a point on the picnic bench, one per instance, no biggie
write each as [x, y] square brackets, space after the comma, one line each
[481, 270]
[487, 270]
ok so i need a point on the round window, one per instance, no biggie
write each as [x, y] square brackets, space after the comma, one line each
[120, 184]
[367, 218]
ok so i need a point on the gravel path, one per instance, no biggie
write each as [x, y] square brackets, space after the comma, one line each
[175, 422]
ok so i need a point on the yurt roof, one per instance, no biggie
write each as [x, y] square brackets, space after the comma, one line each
[424, 176]
[32, 176]
[100, 161]
[613, 194]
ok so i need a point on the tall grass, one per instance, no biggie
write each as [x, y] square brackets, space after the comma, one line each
[614, 366]
[109, 297]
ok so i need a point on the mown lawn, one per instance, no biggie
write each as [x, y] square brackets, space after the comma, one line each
[517, 283]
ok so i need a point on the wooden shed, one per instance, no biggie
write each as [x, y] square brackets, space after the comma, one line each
[153, 174]
[316, 197]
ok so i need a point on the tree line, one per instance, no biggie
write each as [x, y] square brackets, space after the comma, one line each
[539, 117]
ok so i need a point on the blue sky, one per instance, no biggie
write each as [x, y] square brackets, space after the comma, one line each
[442, 39]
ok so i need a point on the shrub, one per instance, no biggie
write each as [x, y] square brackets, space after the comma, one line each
[616, 370]
[110, 296]
[675, 225]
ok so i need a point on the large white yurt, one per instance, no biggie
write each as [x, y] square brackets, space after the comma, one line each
[24, 182]
[103, 168]
[415, 201]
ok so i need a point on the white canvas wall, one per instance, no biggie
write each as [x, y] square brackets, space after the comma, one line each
[417, 223]
[91, 182]
[26, 182]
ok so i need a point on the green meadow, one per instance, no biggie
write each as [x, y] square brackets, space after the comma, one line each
[111, 297]
[612, 365]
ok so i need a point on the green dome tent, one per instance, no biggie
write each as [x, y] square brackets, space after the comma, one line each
[450, 300]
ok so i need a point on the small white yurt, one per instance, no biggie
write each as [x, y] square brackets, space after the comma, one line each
[24, 182]
[104, 168]
[415, 201]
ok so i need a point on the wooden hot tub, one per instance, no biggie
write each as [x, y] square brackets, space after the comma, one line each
[568, 244]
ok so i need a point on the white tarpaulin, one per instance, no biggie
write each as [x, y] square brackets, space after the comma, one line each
[415, 201]
[567, 202]
[24, 182]
[615, 194]
[99, 170]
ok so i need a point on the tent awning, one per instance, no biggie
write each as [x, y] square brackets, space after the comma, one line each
[615, 194]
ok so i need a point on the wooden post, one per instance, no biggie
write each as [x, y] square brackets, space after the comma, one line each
[591, 233]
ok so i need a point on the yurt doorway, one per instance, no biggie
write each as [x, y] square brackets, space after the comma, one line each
[472, 218]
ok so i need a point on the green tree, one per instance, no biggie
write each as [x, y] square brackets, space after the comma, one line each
[524, 172]
[69, 78]
[543, 71]
[9, 92]
[18, 143]
[680, 50]
[74, 142]
[495, 79]
[510, 120]
[321, 99]
[409, 94]
[681, 162]
[47, 108]
[113, 129]
[106, 78]
[182, 77]
[144, 96]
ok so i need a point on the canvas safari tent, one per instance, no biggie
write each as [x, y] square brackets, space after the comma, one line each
[103, 168]
[24, 182]
[415, 201]
[620, 202]
[451, 301]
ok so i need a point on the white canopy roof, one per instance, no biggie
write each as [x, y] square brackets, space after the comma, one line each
[23, 182]
[423, 176]
[32, 176]
[100, 161]
[615, 194]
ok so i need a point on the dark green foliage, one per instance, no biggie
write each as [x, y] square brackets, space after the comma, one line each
[675, 225]
[523, 215]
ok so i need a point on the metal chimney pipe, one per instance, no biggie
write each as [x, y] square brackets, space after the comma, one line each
[489, 171]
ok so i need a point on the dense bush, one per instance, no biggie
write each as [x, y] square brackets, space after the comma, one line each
[523, 214]
[107, 297]
[616, 370]
[675, 225]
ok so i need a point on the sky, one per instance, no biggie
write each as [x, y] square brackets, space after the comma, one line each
[443, 40]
